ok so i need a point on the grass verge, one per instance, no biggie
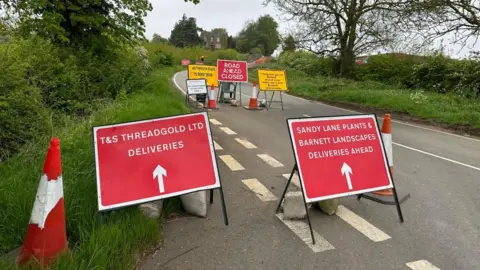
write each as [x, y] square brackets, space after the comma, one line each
[113, 244]
[448, 110]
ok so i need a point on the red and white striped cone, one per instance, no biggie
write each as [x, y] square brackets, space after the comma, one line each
[212, 104]
[46, 235]
[387, 141]
[253, 104]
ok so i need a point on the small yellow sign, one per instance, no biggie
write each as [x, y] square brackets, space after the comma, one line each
[208, 73]
[272, 80]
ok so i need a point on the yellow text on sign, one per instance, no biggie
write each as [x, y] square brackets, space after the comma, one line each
[208, 73]
[272, 80]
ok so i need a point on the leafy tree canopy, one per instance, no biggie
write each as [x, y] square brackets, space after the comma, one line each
[85, 23]
[185, 33]
[262, 34]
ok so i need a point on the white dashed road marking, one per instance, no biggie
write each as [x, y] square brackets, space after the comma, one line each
[245, 143]
[370, 231]
[270, 160]
[260, 190]
[228, 131]
[301, 229]
[217, 146]
[295, 179]
[231, 163]
[215, 122]
[422, 265]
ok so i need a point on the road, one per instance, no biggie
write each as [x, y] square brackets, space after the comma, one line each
[441, 171]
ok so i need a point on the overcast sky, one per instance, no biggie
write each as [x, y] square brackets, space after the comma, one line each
[229, 14]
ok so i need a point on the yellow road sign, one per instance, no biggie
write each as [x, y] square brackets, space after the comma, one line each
[208, 73]
[272, 80]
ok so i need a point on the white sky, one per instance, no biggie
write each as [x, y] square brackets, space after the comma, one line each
[229, 14]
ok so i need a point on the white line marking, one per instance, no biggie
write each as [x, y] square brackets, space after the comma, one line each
[437, 156]
[295, 179]
[228, 131]
[217, 146]
[246, 143]
[232, 163]
[270, 160]
[422, 265]
[370, 231]
[430, 154]
[215, 122]
[301, 229]
[260, 190]
[180, 88]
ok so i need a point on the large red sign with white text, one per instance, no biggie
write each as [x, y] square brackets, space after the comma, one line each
[154, 159]
[339, 156]
[232, 71]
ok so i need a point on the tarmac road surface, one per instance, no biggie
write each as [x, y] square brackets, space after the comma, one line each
[441, 171]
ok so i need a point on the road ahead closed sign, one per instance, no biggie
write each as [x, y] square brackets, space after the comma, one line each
[339, 156]
[154, 159]
[272, 80]
[208, 73]
[232, 71]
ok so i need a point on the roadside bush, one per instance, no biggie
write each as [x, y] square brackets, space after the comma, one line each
[38, 79]
[393, 69]
[308, 63]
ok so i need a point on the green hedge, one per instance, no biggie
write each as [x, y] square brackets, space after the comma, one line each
[435, 73]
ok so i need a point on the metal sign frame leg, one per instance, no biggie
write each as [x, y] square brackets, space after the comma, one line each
[222, 198]
[271, 99]
[295, 169]
[394, 189]
[266, 99]
[281, 100]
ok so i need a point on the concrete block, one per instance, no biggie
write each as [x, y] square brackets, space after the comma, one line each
[195, 203]
[329, 207]
[294, 206]
[152, 209]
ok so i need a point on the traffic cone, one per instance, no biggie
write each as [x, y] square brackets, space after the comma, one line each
[212, 104]
[46, 234]
[253, 105]
[387, 141]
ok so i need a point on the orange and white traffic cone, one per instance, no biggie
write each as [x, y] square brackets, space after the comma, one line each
[46, 235]
[387, 142]
[212, 104]
[253, 104]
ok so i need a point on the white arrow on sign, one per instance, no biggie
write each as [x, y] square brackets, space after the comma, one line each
[346, 170]
[160, 172]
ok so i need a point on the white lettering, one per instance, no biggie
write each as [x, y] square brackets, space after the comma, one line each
[155, 149]
[328, 153]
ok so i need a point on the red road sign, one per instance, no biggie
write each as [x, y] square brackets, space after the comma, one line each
[339, 156]
[232, 71]
[154, 159]
[185, 62]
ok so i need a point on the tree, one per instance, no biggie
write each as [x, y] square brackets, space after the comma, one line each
[231, 42]
[159, 39]
[92, 24]
[437, 18]
[289, 44]
[185, 33]
[343, 28]
[262, 34]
